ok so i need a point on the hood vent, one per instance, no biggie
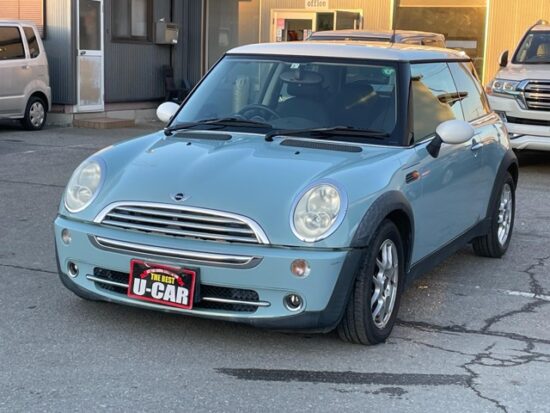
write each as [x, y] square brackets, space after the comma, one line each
[203, 136]
[321, 145]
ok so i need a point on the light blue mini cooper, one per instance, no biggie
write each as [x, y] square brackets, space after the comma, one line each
[299, 187]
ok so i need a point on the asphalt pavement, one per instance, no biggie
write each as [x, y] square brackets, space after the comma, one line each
[473, 335]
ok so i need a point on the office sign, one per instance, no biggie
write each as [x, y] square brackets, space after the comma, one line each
[316, 4]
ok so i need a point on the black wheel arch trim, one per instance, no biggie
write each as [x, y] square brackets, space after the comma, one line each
[390, 205]
[328, 319]
[509, 161]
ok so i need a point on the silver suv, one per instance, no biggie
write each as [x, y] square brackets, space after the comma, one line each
[520, 93]
[24, 80]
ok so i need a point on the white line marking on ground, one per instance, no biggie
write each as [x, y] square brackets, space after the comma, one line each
[528, 295]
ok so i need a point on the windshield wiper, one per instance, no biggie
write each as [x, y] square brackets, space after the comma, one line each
[344, 131]
[231, 121]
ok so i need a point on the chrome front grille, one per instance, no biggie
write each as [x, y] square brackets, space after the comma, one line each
[537, 95]
[194, 257]
[182, 222]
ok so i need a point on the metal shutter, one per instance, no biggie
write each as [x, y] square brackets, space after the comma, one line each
[32, 10]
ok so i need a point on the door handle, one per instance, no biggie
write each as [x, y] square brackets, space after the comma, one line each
[82, 52]
[476, 145]
[26, 67]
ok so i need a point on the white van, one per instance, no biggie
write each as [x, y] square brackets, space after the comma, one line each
[24, 80]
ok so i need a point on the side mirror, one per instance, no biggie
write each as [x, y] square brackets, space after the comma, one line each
[166, 110]
[452, 132]
[503, 59]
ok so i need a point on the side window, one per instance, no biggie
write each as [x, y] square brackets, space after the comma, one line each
[474, 102]
[434, 98]
[131, 19]
[11, 45]
[34, 50]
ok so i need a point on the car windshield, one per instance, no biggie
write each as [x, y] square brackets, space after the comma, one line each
[295, 93]
[534, 49]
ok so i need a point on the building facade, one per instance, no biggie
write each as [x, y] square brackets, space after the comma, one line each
[482, 28]
[113, 53]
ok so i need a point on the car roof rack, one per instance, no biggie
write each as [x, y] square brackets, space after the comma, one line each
[538, 23]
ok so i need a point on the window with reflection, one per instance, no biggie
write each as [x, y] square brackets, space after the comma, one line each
[463, 27]
[474, 102]
[299, 93]
[11, 45]
[535, 49]
[34, 50]
[435, 98]
[131, 19]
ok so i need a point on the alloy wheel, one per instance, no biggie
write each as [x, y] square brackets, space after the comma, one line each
[505, 213]
[384, 280]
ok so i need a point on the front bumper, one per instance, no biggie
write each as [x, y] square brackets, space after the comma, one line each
[324, 291]
[524, 135]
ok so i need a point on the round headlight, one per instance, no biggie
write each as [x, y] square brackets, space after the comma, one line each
[319, 212]
[83, 186]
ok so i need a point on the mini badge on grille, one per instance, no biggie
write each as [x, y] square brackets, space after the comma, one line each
[179, 197]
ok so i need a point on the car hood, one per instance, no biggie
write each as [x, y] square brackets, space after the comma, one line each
[525, 72]
[244, 175]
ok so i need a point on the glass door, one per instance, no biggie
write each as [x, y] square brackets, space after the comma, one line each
[90, 56]
[289, 26]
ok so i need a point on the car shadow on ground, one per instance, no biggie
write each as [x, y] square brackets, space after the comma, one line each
[124, 321]
[533, 158]
[9, 126]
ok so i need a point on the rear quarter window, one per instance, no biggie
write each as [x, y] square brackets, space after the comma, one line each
[34, 50]
[11, 44]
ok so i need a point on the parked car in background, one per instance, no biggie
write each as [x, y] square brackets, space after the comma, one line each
[295, 189]
[25, 92]
[520, 93]
[391, 36]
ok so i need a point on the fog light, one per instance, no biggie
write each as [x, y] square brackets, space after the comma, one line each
[293, 302]
[73, 269]
[66, 236]
[300, 268]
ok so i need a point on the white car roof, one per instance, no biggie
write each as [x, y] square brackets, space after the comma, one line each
[541, 28]
[353, 50]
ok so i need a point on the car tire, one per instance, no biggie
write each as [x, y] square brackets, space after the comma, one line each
[378, 271]
[35, 114]
[495, 243]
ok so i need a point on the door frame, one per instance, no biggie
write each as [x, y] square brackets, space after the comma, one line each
[305, 14]
[290, 14]
[101, 53]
